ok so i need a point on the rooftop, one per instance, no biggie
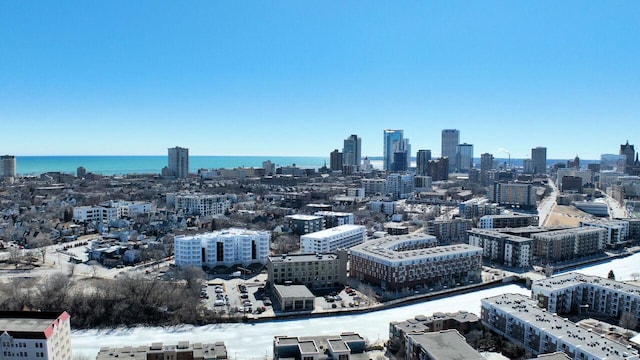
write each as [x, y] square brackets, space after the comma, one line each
[334, 231]
[570, 280]
[392, 247]
[26, 322]
[302, 258]
[293, 291]
[446, 345]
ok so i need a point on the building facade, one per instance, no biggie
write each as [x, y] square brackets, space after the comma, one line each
[503, 249]
[513, 195]
[617, 231]
[8, 166]
[507, 221]
[226, 247]
[422, 162]
[333, 218]
[183, 350]
[539, 160]
[302, 224]
[335, 160]
[178, 165]
[450, 140]
[399, 186]
[332, 239]
[567, 244]
[201, 204]
[450, 231]
[315, 271]
[464, 157]
[35, 335]
[393, 142]
[351, 152]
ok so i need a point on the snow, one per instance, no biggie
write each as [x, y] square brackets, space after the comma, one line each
[255, 340]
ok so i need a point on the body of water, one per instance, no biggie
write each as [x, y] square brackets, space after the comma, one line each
[120, 165]
[255, 340]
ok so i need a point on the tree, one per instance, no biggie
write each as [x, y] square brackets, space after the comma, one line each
[628, 321]
[611, 275]
[15, 254]
[635, 276]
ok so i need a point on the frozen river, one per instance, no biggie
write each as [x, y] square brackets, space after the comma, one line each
[255, 340]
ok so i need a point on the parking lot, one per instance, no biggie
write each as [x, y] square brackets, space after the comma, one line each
[237, 296]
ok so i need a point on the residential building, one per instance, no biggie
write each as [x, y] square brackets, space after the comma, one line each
[351, 152]
[475, 208]
[422, 183]
[336, 160]
[269, 168]
[178, 162]
[35, 335]
[486, 165]
[183, 350]
[422, 162]
[399, 186]
[567, 244]
[7, 166]
[503, 249]
[315, 271]
[401, 262]
[381, 206]
[575, 292]
[393, 142]
[462, 321]
[513, 195]
[374, 187]
[519, 320]
[441, 345]
[450, 231]
[617, 230]
[338, 347]
[226, 247]
[302, 224]
[450, 140]
[539, 159]
[201, 204]
[333, 239]
[508, 221]
[94, 213]
[439, 169]
[332, 219]
[464, 157]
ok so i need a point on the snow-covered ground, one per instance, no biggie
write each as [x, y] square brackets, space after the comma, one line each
[254, 340]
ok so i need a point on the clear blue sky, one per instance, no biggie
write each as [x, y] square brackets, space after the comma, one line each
[298, 77]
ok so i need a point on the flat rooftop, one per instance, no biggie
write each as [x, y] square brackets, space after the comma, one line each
[570, 280]
[302, 258]
[499, 235]
[322, 234]
[303, 217]
[525, 309]
[446, 345]
[385, 248]
[293, 291]
[25, 322]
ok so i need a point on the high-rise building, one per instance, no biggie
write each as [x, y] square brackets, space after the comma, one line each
[335, 160]
[422, 162]
[439, 169]
[450, 139]
[7, 166]
[486, 164]
[178, 162]
[628, 151]
[393, 142]
[539, 158]
[399, 161]
[351, 152]
[464, 157]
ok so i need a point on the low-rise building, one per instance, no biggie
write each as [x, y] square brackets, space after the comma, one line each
[294, 298]
[201, 204]
[383, 206]
[441, 345]
[183, 350]
[226, 247]
[574, 292]
[332, 218]
[521, 321]
[35, 335]
[462, 321]
[330, 240]
[339, 347]
[316, 271]
[501, 248]
[304, 224]
[401, 262]
[508, 221]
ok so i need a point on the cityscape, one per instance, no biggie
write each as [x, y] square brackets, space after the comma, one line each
[328, 180]
[280, 242]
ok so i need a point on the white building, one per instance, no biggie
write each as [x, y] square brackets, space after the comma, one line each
[330, 240]
[400, 186]
[381, 206]
[35, 335]
[617, 230]
[334, 218]
[201, 204]
[521, 321]
[226, 247]
[110, 210]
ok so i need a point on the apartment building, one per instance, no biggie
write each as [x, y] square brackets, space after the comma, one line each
[573, 292]
[508, 221]
[374, 186]
[332, 218]
[475, 208]
[201, 204]
[521, 321]
[441, 345]
[399, 186]
[402, 262]
[501, 248]
[317, 271]
[304, 224]
[339, 347]
[617, 230]
[226, 247]
[462, 321]
[450, 231]
[330, 240]
[183, 350]
[383, 206]
[513, 195]
[566, 244]
[35, 335]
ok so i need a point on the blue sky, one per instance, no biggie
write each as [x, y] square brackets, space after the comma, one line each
[298, 77]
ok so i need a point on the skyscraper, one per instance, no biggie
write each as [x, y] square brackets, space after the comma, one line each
[422, 162]
[335, 160]
[393, 142]
[486, 165]
[539, 158]
[464, 157]
[351, 153]
[450, 139]
[7, 166]
[178, 162]
[628, 151]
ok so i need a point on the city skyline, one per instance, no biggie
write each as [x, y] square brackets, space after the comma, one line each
[234, 79]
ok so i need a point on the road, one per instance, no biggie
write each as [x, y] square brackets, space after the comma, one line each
[545, 208]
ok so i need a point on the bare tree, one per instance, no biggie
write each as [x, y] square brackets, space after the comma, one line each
[15, 254]
[628, 321]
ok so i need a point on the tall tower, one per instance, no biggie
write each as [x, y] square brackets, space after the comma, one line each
[393, 142]
[178, 162]
[422, 162]
[450, 140]
[351, 152]
[464, 157]
[628, 151]
[486, 165]
[335, 160]
[539, 159]
[8, 166]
